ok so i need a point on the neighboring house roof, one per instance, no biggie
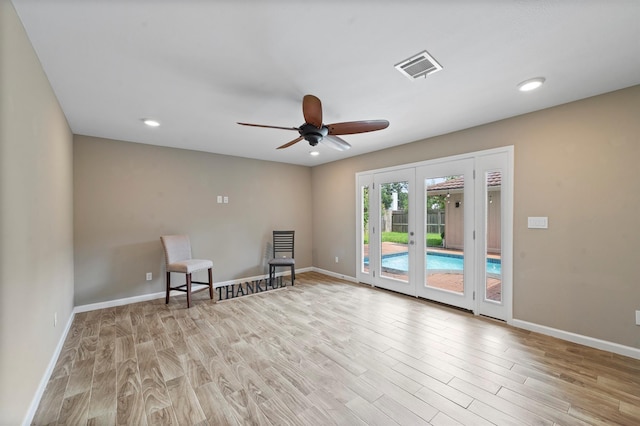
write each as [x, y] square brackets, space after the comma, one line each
[493, 179]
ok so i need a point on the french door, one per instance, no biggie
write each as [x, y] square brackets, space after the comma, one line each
[441, 230]
[387, 241]
[494, 242]
[446, 268]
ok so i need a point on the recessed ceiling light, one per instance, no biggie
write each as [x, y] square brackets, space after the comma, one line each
[314, 153]
[531, 84]
[151, 122]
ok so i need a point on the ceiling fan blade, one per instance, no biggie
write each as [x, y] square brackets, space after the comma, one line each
[269, 127]
[312, 110]
[336, 143]
[351, 127]
[288, 144]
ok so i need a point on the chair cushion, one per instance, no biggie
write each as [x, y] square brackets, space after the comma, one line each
[177, 248]
[282, 261]
[189, 266]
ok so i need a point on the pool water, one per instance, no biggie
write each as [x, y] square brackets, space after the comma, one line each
[439, 261]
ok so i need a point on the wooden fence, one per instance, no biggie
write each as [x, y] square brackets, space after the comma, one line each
[435, 221]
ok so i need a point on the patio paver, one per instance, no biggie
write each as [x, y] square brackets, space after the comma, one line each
[443, 281]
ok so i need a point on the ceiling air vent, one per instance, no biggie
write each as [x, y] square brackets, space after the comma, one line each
[420, 65]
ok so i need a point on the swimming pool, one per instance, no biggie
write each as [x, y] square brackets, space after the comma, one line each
[435, 261]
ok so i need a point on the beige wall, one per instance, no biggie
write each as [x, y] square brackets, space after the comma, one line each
[36, 241]
[126, 195]
[575, 163]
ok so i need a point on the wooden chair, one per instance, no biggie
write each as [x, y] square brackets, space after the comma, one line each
[177, 253]
[283, 254]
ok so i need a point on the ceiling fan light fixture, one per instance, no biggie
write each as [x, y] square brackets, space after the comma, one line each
[314, 153]
[151, 122]
[312, 134]
[531, 84]
[313, 139]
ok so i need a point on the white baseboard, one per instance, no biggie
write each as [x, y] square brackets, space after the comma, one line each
[160, 295]
[592, 342]
[35, 402]
[118, 302]
[110, 304]
[260, 277]
[579, 338]
[307, 269]
[335, 275]
[561, 334]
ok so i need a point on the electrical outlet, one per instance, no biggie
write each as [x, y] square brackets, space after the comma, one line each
[337, 259]
[225, 199]
[55, 319]
[149, 276]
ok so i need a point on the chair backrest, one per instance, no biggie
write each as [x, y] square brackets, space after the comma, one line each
[176, 248]
[283, 243]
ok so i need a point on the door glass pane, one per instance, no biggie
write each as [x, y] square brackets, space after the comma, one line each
[444, 229]
[493, 280]
[394, 230]
[364, 226]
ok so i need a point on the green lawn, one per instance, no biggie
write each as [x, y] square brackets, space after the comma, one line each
[433, 240]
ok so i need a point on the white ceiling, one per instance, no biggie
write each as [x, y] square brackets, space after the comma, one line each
[200, 66]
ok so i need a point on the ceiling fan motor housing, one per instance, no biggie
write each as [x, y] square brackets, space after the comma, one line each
[313, 134]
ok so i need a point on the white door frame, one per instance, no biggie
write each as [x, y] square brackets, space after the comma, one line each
[460, 167]
[497, 161]
[378, 279]
[483, 160]
[362, 275]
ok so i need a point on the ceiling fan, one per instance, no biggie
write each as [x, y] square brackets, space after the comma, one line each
[313, 131]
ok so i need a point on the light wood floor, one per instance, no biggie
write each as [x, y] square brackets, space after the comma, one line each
[327, 352]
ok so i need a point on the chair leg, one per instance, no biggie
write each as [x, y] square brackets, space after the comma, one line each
[293, 275]
[188, 290]
[210, 283]
[168, 287]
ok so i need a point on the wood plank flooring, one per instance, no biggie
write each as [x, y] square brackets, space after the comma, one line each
[327, 352]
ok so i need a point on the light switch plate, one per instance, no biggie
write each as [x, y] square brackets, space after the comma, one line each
[219, 199]
[226, 199]
[538, 222]
[637, 317]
